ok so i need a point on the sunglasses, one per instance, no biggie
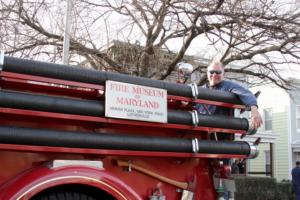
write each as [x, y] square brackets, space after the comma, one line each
[215, 72]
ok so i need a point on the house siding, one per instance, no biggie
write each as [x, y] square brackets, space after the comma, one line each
[258, 164]
[279, 101]
[281, 158]
[280, 148]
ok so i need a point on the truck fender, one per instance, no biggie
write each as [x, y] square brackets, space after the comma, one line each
[41, 178]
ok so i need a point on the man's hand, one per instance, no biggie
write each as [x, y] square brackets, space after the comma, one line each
[256, 120]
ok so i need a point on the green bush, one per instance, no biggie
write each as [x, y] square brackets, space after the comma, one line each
[255, 188]
[262, 188]
[285, 191]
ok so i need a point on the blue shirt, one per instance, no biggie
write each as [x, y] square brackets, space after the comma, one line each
[244, 95]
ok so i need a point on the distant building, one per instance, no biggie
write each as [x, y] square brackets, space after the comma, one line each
[280, 133]
[128, 56]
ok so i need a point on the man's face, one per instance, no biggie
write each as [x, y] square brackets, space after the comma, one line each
[215, 74]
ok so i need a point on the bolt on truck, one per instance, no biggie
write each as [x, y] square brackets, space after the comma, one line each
[70, 133]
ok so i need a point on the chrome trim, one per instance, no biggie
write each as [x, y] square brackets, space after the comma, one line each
[194, 146]
[195, 117]
[194, 89]
[87, 163]
[187, 195]
[197, 144]
[253, 151]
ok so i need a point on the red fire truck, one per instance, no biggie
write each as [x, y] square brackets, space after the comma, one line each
[69, 133]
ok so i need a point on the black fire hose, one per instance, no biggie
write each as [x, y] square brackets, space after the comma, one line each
[45, 137]
[12, 99]
[65, 72]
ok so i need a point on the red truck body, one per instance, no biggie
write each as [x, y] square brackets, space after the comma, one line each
[36, 171]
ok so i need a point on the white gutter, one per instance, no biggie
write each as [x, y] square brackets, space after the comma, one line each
[290, 158]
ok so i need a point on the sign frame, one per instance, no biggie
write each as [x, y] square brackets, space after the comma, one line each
[135, 102]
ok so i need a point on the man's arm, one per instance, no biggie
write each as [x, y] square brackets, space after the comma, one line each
[247, 97]
[256, 120]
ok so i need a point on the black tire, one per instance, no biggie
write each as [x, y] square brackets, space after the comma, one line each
[60, 195]
[73, 192]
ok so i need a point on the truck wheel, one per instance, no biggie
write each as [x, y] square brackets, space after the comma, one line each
[73, 192]
[58, 195]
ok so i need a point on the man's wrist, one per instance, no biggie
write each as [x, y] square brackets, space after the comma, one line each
[254, 107]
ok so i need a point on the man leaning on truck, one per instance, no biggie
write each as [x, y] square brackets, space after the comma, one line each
[216, 81]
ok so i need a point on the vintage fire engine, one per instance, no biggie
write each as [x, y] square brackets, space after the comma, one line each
[70, 133]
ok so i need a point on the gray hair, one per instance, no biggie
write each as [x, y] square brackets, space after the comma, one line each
[219, 63]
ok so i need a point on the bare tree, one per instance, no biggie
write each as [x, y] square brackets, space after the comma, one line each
[261, 36]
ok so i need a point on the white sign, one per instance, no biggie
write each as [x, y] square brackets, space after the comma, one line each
[136, 102]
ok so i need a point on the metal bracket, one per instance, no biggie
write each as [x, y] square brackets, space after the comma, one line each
[195, 145]
[89, 163]
[253, 150]
[187, 195]
[195, 117]
[129, 165]
[195, 91]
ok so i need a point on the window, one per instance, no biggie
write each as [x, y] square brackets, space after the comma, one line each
[267, 162]
[298, 117]
[297, 156]
[268, 114]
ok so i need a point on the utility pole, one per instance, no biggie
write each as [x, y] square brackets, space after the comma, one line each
[66, 45]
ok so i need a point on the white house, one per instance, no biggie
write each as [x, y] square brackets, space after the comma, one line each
[280, 133]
